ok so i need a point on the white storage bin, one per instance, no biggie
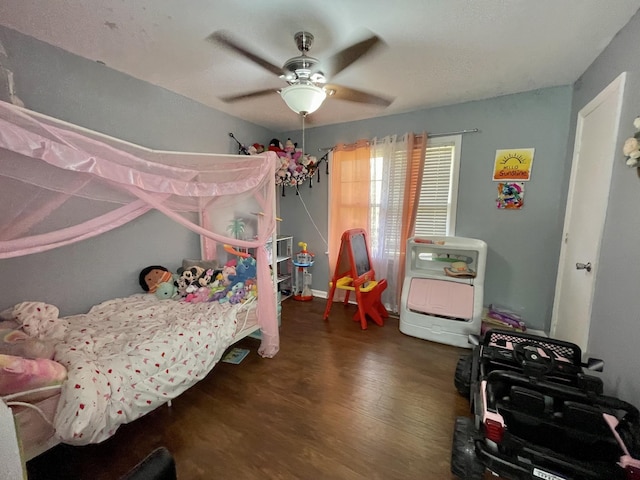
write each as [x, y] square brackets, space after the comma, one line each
[443, 289]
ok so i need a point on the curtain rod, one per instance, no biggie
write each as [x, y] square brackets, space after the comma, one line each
[430, 135]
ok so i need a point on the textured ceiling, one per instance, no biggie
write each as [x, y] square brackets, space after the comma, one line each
[437, 52]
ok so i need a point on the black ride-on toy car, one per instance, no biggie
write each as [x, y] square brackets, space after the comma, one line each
[538, 415]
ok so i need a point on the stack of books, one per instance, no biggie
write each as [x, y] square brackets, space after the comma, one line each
[495, 316]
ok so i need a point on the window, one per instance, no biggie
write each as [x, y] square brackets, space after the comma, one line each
[436, 214]
[439, 191]
[386, 198]
[375, 185]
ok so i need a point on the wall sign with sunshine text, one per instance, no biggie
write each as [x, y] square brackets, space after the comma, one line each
[513, 164]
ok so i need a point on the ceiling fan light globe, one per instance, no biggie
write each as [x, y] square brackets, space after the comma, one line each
[303, 98]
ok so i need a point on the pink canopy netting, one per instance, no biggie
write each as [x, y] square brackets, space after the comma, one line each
[60, 184]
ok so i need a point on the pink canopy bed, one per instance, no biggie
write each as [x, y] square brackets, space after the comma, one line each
[61, 184]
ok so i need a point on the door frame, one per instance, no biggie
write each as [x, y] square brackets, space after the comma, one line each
[616, 87]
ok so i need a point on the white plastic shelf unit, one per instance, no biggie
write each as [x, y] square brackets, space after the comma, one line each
[283, 265]
[437, 303]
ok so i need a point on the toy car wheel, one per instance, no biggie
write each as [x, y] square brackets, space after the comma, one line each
[464, 462]
[462, 377]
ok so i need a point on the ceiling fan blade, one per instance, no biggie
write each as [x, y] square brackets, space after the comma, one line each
[224, 39]
[353, 95]
[244, 96]
[346, 57]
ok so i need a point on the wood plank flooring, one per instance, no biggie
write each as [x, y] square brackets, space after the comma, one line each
[336, 402]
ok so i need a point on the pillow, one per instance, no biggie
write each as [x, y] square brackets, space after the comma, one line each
[19, 374]
[40, 320]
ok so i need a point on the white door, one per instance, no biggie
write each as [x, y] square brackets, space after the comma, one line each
[594, 154]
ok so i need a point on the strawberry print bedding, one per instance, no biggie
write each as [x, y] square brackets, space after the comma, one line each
[127, 356]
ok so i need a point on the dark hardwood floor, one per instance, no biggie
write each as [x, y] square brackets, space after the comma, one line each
[337, 402]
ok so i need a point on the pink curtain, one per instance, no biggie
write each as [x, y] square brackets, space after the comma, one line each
[349, 193]
[416, 150]
[60, 184]
[376, 186]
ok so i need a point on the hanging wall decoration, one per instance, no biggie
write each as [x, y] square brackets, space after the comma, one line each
[631, 148]
[513, 164]
[510, 195]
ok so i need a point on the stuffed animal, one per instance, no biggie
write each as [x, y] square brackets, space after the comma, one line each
[166, 290]
[237, 293]
[289, 147]
[256, 148]
[199, 296]
[275, 146]
[19, 374]
[228, 272]
[187, 281]
[17, 343]
[208, 277]
[151, 277]
[245, 270]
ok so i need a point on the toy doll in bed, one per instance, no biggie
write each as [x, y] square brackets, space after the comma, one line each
[151, 277]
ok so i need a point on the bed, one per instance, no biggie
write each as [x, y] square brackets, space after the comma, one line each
[127, 356]
[124, 358]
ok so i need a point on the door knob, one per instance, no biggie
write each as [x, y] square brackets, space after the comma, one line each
[584, 266]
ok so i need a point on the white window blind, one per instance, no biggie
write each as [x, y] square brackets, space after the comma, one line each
[439, 191]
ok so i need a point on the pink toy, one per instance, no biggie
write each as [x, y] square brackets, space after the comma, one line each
[199, 296]
[19, 374]
[18, 343]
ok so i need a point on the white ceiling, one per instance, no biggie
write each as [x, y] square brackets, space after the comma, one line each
[437, 52]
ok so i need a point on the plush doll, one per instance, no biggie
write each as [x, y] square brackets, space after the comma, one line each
[228, 272]
[19, 374]
[237, 293]
[151, 277]
[256, 148]
[289, 147]
[18, 343]
[166, 290]
[199, 296]
[245, 270]
[187, 281]
[208, 277]
[275, 146]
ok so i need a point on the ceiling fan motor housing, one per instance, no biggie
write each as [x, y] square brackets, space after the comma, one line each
[304, 40]
[302, 67]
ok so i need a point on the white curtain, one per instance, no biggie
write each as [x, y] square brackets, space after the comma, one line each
[389, 171]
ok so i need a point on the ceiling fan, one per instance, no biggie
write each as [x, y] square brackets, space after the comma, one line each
[307, 76]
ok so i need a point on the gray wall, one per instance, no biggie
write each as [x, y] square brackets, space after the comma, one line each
[57, 83]
[615, 321]
[523, 245]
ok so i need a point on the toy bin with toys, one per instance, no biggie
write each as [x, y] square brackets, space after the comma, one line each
[443, 288]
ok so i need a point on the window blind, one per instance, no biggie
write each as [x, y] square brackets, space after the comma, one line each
[433, 215]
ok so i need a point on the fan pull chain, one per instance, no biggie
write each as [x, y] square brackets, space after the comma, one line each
[303, 115]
